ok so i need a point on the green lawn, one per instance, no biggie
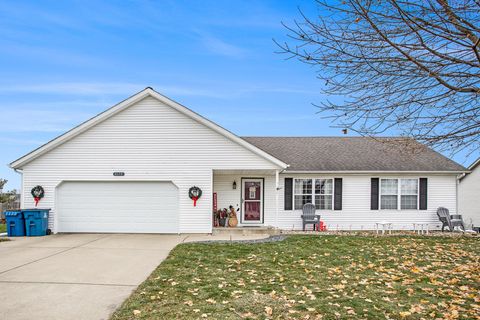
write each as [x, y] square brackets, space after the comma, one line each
[315, 277]
[3, 228]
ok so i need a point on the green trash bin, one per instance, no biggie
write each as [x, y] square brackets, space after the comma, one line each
[36, 222]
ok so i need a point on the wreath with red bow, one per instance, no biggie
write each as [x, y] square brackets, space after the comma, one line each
[194, 193]
[37, 194]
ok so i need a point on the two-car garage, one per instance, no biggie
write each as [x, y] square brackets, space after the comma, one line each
[117, 206]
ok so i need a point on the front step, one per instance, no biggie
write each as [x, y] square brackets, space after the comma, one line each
[245, 231]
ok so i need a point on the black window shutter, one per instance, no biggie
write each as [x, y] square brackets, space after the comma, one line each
[338, 194]
[423, 193]
[288, 193]
[375, 192]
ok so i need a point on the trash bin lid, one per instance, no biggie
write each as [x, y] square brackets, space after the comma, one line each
[35, 213]
[12, 213]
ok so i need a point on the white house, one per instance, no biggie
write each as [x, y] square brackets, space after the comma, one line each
[469, 196]
[130, 168]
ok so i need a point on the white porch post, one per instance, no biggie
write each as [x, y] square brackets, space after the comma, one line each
[277, 187]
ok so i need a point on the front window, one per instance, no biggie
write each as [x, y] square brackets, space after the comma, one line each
[321, 194]
[302, 192]
[388, 194]
[399, 193]
[409, 194]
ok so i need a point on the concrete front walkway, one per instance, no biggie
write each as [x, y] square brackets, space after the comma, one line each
[79, 276]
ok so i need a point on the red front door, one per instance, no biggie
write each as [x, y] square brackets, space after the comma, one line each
[252, 196]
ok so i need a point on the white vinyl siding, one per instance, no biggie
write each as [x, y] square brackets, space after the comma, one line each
[356, 213]
[469, 197]
[149, 141]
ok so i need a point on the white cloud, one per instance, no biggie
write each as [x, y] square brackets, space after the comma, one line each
[72, 88]
[15, 141]
[246, 118]
[220, 47]
[104, 88]
[124, 89]
[28, 120]
[55, 56]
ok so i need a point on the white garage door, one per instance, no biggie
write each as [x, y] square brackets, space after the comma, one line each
[129, 207]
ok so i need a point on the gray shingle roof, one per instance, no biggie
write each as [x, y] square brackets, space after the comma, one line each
[354, 154]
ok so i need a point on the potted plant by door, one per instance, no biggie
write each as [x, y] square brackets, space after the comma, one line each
[216, 218]
[222, 217]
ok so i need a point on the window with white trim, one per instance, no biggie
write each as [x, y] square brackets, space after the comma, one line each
[317, 191]
[409, 194]
[323, 194]
[388, 194]
[399, 193]
[302, 192]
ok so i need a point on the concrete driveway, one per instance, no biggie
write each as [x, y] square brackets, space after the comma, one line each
[76, 276]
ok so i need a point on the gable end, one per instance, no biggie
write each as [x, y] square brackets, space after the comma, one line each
[17, 164]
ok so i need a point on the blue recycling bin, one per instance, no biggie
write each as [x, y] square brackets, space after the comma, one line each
[15, 223]
[36, 222]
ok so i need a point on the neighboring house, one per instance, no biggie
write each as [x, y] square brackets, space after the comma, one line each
[469, 196]
[130, 169]
[11, 204]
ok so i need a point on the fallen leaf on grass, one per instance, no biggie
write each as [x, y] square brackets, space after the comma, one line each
[405, 314]
[268, 311]
[415, 270]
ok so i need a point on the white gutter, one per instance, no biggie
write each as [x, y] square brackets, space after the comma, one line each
[373, 172]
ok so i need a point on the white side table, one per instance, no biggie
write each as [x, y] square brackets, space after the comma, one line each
[386, 225]
[420, 227]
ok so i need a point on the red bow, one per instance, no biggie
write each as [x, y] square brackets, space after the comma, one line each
[194, 201]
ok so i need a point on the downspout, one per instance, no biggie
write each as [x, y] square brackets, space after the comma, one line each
[457, 180]
[277, 189]
[22, 205]
[277, 180]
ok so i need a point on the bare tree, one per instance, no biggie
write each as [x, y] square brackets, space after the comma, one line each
[3, 182]
[412, 66]
[8, 196]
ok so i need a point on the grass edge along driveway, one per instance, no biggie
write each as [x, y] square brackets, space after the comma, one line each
[315, 277]
[3, 229]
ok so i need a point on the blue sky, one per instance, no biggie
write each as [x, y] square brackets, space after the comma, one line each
[62, 62]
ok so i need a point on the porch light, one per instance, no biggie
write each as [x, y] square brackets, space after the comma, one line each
[234, 185]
